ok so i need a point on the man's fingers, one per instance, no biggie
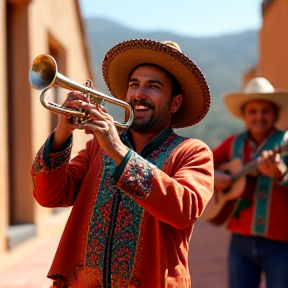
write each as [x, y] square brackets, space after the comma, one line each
[75, 97]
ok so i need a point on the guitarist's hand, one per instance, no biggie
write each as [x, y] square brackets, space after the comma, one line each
[270, 165]
[222, 180]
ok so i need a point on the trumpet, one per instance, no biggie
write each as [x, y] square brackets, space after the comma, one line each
[44, 75]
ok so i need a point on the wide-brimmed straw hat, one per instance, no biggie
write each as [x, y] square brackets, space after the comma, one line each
[258, 88]
[121, 59]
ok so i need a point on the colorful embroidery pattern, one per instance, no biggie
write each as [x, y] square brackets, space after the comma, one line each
[115, 227]
[54, 162]
[137, 177]
[262, 205]
[38, 165]
[263, 191]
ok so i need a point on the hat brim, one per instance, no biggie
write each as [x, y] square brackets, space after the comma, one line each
[120, 60]
[235, 101]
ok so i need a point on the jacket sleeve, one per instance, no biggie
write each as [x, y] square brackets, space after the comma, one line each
[56, 178]
[178, 194]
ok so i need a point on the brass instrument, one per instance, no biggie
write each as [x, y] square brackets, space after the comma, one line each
[44, 74]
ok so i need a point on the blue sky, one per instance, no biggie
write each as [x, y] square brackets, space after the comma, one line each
[186, 17]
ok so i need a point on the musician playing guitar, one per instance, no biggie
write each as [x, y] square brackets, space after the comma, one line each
[253, 166]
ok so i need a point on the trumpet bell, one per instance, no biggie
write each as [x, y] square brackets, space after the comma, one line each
[43, 73]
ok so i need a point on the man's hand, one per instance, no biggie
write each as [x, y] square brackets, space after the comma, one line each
[101, 125]
[270, 165]
[65, 128]
[222, 180]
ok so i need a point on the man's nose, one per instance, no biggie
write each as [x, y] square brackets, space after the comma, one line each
[260, 115]
[140, 93]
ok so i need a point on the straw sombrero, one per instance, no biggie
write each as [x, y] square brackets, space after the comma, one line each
[258, 88]
[121, 59]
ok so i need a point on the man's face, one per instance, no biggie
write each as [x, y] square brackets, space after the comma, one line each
[259, 116]
[149, 94]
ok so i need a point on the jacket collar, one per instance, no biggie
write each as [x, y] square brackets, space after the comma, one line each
[150, 146]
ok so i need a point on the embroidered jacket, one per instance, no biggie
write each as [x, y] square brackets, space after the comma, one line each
[130, 225]
[264, 207]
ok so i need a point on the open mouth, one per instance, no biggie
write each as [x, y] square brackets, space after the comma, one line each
[141, 108]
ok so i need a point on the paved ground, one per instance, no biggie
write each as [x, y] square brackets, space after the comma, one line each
[31, 271]
[207, 261]
[208, 255]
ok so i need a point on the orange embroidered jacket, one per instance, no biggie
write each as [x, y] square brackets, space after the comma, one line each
[131, 224]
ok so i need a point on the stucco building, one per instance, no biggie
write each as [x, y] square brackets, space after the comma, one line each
[273, 48]
[29, 28]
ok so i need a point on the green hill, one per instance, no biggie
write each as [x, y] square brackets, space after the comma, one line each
[223, 60]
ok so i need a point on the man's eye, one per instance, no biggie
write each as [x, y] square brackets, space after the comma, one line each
[153, 86]
[133, 85]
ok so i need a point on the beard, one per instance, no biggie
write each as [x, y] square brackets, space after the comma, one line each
[155, 122]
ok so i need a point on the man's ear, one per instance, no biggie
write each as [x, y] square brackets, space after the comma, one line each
[176, 102]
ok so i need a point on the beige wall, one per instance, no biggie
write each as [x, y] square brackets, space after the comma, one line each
[3, 133]
[33, 27]
[66, 33]
[273, 54]
[273, 50]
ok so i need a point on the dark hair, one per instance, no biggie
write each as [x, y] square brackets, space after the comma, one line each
[176, 88]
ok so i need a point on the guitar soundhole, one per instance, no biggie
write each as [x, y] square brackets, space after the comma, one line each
[225, 191]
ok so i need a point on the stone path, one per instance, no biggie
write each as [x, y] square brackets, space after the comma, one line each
[207, 260]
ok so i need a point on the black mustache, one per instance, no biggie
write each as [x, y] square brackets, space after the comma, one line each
[143, 103]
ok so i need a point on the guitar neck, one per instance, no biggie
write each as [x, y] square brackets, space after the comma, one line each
[252, 166]
[246, 169]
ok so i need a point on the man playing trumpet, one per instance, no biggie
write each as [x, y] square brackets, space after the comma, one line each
[137, 195]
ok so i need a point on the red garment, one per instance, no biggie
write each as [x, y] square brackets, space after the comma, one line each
[278, 200]
[173, 197]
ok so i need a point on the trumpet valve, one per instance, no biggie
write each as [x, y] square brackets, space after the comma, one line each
[76, 120]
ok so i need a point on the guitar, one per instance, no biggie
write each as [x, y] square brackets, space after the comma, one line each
[221, 206]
